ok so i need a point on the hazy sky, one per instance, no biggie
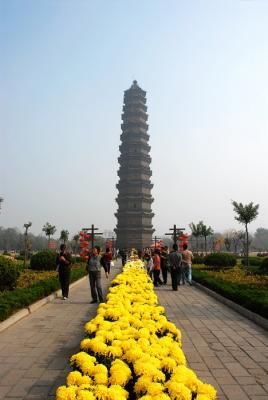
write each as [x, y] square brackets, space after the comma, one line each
[64, 68]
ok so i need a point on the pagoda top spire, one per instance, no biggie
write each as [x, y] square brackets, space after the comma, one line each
[135, 87]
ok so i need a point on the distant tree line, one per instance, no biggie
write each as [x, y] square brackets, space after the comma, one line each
[12, 239]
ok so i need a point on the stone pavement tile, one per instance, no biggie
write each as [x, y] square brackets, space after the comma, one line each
[253, 341]
[236, 369]
[234, 392]
[22, 387]
[41, 391]
[221, 397]
[4, 391]
[220, 372]
[246, 380]
[203, 374]
[257, 372]
[247, 362]
[256, 397]
[254, 390]
[26, 362]
[4, 369]
[34, 372]
[264, 365]
[12, 376]
[198, 366]
[212, 362]
[226, 380]
[256, 355]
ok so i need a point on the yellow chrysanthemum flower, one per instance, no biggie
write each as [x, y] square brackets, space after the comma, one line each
[206, 389]
[76, 378]
[101, 379]
[66, 393]
[85, 395]
[178, 391]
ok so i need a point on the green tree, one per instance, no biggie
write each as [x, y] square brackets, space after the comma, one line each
[64, 236]
[245, 214]
[260, 241]
[49, 230]
[205, 231]
[76, 240]
[196, 231]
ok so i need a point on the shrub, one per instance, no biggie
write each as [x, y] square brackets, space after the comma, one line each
[262, 254]
[44, 260]
[9, 274]
[76, 259]
[264, 266]
[253, 261]
[248, 296]
[198, 259]
[11, 301]
[219, 260]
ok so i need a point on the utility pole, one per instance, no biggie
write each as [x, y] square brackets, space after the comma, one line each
[175, 232]
[26, 226]
[155, 238]
[92, 233]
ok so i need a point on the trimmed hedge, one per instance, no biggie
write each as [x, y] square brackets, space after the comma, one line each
[264, 265]
[44, 260]
[254, 299]
[218, 260]
[11, 301]
[198, 259]
[253, 261]
[9, 274]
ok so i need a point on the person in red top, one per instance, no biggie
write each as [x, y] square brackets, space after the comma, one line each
[108, 256]
[156, 268]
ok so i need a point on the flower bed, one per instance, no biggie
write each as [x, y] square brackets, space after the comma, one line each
[131, 350]
[32, 289]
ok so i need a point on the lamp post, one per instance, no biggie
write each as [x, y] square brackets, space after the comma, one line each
[26, 226]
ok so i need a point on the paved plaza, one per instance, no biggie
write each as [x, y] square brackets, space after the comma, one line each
[222, 347]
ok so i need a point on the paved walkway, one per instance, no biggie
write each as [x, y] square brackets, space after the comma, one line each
[222, 347]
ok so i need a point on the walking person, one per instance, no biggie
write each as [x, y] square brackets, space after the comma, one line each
[64, 269]
[94, 272]
[164, 262]
[175, 267]
[156, 268]
[108, 256]
[123, 255]
[187, 259]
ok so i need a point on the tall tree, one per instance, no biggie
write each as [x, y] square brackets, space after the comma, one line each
[64, 235]
[49, 231]
[196, 231]
[205, 231]
[245, 214]
[1, 201]
[260, 241]
[76, 240]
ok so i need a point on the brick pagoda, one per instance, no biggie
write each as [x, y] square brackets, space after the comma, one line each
[134, 216]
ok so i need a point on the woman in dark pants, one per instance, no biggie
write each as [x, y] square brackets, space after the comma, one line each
[64, 268]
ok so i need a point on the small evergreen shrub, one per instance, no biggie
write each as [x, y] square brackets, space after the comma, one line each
[76, 259]
[253, 261]
[220, 260]
[264, 266]
[9, 274]
[198, 259]
[44, 260]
